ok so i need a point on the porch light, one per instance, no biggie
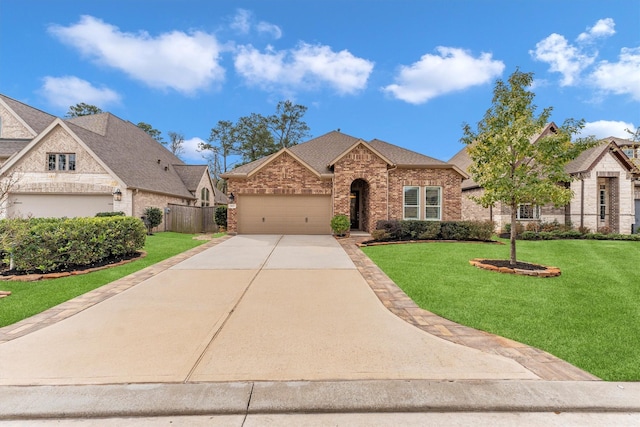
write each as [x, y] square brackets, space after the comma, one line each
[117, 195]
[232, 198]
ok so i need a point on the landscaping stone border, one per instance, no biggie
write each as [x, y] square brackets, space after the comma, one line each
[543, 272]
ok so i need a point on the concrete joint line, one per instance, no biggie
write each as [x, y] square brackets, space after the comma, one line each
[228, 316]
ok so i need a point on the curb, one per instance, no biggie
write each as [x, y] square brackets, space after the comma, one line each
[304, 397]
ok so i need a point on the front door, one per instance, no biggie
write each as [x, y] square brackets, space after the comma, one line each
[355, 209]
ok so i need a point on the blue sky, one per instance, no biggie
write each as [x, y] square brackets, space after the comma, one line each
[405, 71]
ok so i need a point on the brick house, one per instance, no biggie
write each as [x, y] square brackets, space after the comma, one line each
[602, 184]
[298, 189]
[90, 164]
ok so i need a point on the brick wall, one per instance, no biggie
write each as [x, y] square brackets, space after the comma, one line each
[283, 175]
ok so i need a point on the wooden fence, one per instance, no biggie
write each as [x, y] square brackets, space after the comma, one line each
[191, 219]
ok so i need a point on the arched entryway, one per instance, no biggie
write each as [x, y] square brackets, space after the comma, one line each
[359, 202]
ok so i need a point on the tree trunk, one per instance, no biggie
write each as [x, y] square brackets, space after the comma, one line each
[512, 260]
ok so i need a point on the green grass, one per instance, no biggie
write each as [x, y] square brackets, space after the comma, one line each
[29, 298]
[589, 316]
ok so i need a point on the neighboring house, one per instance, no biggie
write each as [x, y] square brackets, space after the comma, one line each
[90, 164]
[298, 189]
[602, 186]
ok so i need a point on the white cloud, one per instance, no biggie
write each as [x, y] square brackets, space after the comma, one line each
[306, 66]
[622, 77]
[175, 60]
[605, 128]
[562, 57]
[191, 155]
[66, 91]
[451, 70]
[602, 28]
[243, 23]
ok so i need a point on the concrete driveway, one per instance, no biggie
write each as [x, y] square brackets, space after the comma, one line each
[253, 308]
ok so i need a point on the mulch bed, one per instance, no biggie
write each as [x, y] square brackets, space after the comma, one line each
[71, 270]
[520, 268]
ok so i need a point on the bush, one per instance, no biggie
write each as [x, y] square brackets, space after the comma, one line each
[434, 230]
[380, 235]
[340, 224]
[392, 227]
[221, 216]
[104, 214]
[431, 231]
[47, 244]
[152, 218]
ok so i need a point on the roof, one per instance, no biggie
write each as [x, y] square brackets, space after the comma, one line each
[135, 157]
[37, 120]
[127, 151]
[319, 154]
[583, 163]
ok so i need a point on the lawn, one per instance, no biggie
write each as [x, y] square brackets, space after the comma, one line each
[29, 298]
[589, 316]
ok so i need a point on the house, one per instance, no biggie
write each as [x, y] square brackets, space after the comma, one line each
[298, 189]
[90, 164]
[602, 187]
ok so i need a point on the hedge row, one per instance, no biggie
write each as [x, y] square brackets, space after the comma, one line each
[433, 230]
[47, 244]
[576, 234]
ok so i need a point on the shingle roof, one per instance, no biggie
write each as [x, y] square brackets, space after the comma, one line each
[8, 147]
[319, 152]
[463, 161]
[134, 156]
[190, 175]
[36, 119]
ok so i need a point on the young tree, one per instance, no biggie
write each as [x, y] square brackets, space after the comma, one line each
[512, 167]
[8, 183]
[286, 125]
[176, 143]
[153, 133]
[82, 109]
[222, 143]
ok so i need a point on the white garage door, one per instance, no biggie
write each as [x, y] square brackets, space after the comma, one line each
[284, 214]
[59, 205]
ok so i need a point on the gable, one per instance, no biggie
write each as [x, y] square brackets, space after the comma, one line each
[284, 169]
[11, 127]
[57, 140]
[361, 152]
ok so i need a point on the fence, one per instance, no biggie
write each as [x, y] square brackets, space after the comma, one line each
[191, 219]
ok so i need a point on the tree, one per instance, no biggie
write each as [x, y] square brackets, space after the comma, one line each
[82, 109]
[253, 138]
[8, 183]
[152, 218]
[176, 143]
[286, 124]
[507, 162]
[222, 142]
[153, 133]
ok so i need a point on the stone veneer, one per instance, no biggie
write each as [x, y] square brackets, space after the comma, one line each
[383, 198]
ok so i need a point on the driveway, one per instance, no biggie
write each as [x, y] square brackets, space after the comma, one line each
[272, 308]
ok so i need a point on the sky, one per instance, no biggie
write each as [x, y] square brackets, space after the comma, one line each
[409, 72]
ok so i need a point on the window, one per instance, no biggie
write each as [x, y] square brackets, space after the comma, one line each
[411, 203]
[61, 162]
[204, 197]
[433, 203]
[630, 152]
[528, 211]
[603, 203]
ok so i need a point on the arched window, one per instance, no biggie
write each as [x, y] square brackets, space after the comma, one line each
[204, 197]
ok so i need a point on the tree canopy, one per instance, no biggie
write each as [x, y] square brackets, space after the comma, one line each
[512, 161]
[153, 133]
[82, 109]
[255, 136]
[176, 143]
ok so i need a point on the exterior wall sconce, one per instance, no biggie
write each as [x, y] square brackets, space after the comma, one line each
[117, 195]
[232, 198]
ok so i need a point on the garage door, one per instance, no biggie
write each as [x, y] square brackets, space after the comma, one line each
[284, 214]
[59, 205]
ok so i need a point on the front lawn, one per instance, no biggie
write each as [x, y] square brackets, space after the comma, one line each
[29, 298]
[589, 316]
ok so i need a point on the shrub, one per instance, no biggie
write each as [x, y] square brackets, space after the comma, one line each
[104, 214]
[392, 227]
[454, 230]
[340, 224]
[48, 244]
[431, 231]
[519, 228]
[221, 216]
[152, 218]
[380, 235]
[605, 229]
[480, 230]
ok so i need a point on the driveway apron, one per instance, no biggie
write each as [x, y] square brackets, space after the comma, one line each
[273, 308]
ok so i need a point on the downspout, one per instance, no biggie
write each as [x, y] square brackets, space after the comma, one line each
[582, 203]
[388, 170]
